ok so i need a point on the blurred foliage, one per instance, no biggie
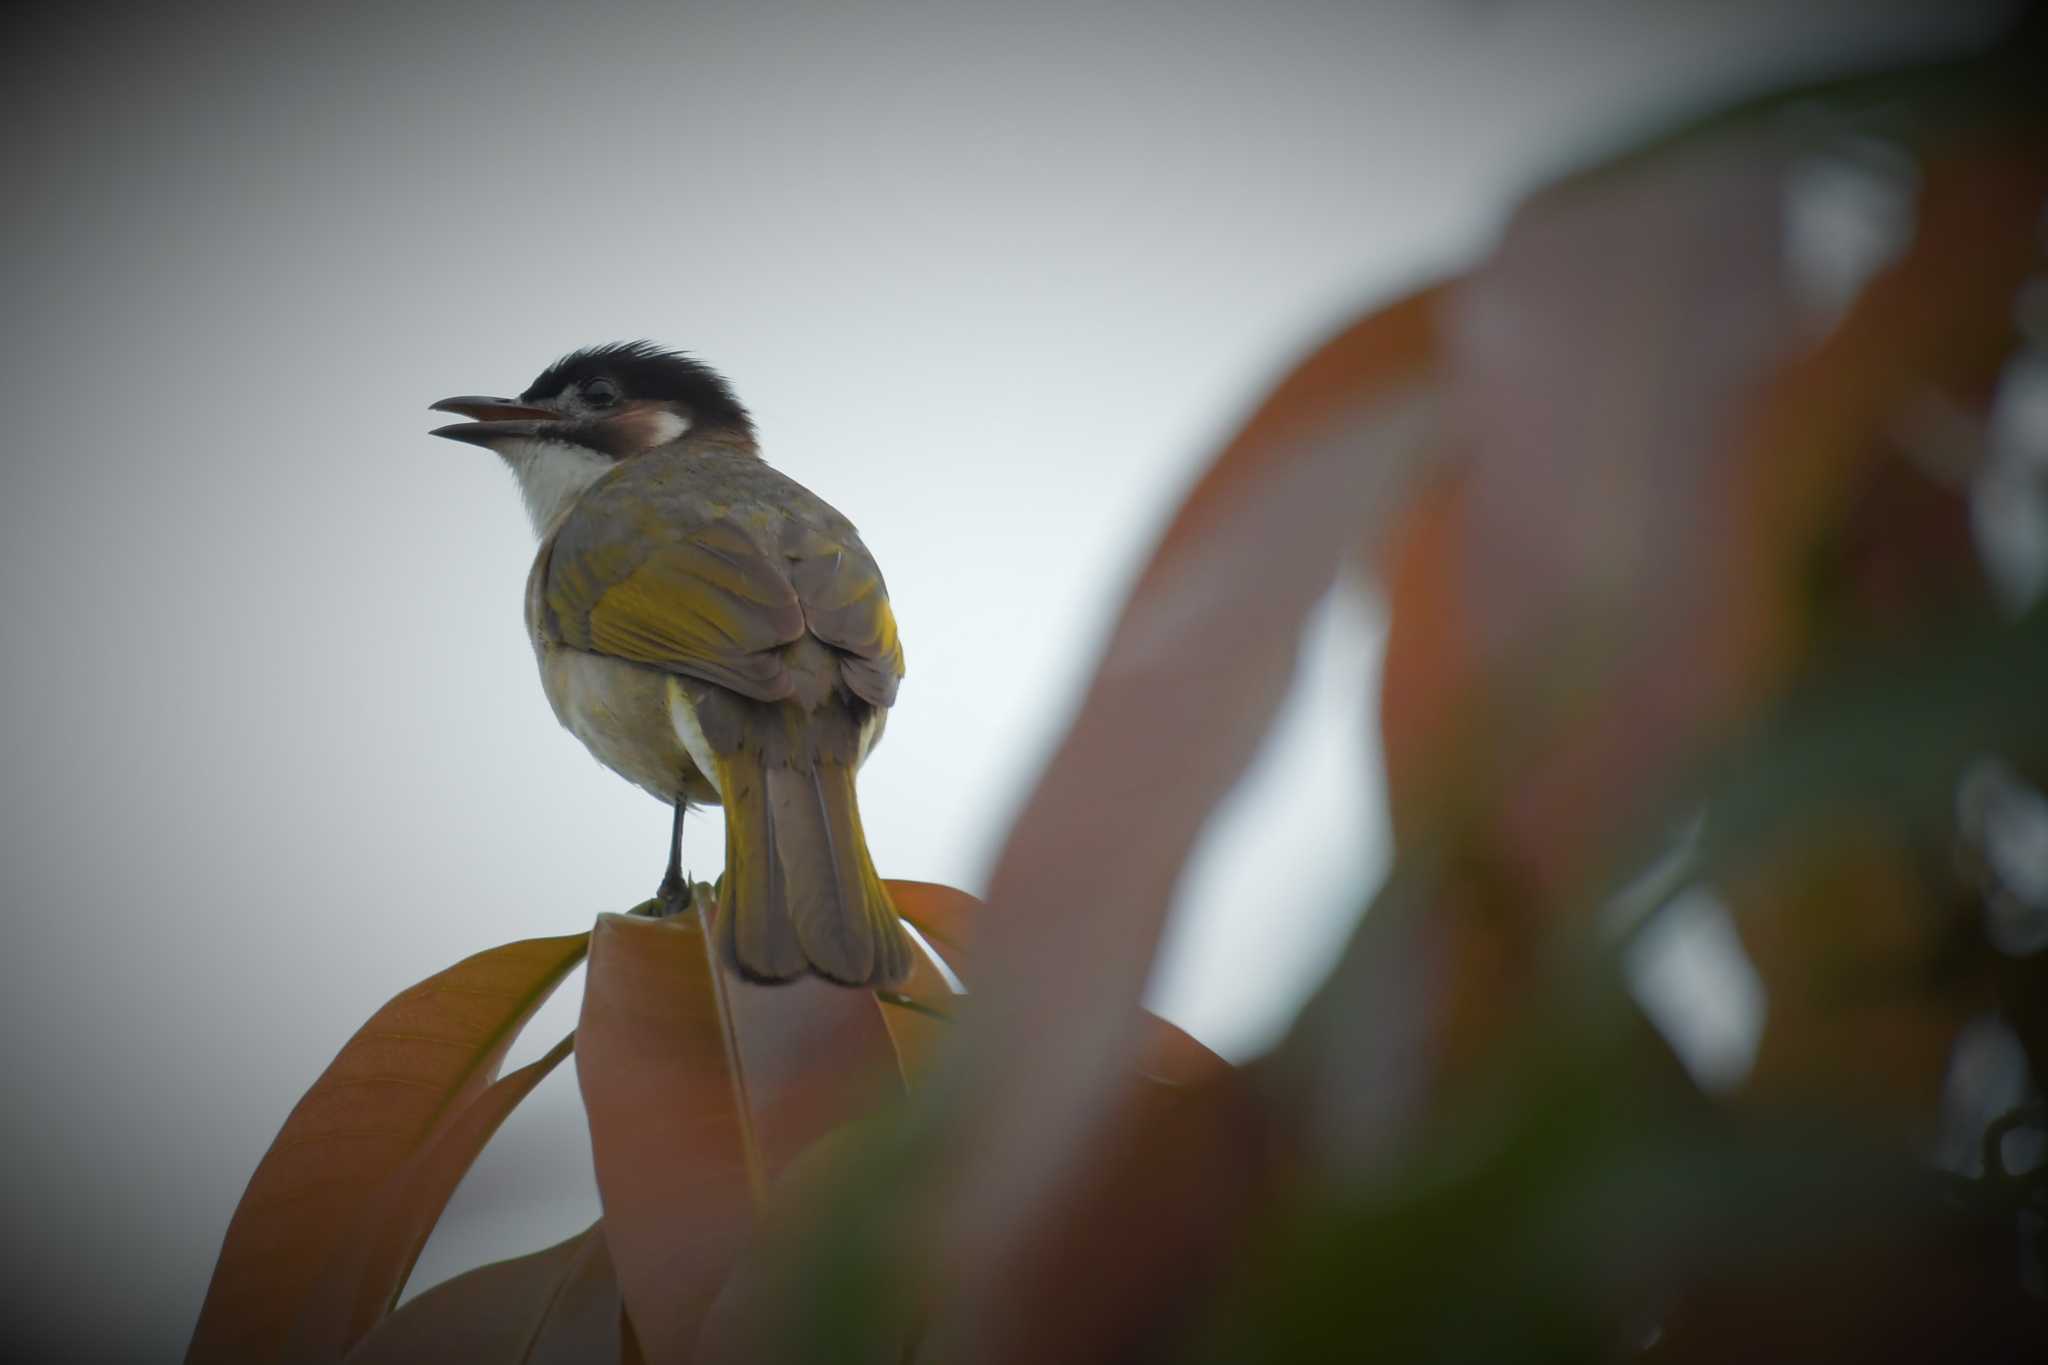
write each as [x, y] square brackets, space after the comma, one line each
[1704, 1014]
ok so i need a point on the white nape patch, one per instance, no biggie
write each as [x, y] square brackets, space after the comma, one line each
[664, 426]
[683, 717]
[1687, 970]
[552, 475]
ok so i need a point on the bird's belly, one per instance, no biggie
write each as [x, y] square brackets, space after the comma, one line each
[621, 713]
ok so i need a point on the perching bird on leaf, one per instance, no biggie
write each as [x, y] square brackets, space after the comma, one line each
[714, 632]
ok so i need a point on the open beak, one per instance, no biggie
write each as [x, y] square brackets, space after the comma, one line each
[495, 419]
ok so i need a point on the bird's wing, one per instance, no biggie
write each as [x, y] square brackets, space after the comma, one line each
[846, 604]
[700, 596]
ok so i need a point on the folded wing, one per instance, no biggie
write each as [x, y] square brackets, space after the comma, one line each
[718, 596]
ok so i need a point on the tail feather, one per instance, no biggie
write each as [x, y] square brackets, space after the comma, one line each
[801, 891]
[860, 894]
[754, 932]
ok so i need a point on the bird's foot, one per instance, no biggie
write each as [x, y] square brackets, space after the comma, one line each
[673, 896]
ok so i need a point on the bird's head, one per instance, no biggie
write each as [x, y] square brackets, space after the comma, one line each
[592, 410]
[613, 402]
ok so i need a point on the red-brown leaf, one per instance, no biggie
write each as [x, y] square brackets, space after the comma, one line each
[367, 1273]
[1151, 1207]
[1658, 452]
[560, 1306]
[401, 1082]
[1185, 693]
[945, 917]
[699, 1088]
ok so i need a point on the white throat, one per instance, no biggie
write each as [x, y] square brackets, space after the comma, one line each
[552, 475]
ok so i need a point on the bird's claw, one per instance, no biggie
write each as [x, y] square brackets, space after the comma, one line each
[673, 897]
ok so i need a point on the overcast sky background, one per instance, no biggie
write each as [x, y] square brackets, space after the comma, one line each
[995, 281]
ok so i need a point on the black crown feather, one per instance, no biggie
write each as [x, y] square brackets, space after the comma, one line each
[644, 370]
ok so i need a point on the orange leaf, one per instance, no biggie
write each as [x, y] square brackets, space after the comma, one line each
[1126, 1247]
[945, 917]
[1658, 452]
[367, 1273]
[1340, 383]
[1429, 675]
[1170, 1055]
[560, 1306]
[1152, 1211]
[699, 1088]
[918, 1017]
[397, 1086]
[1937, 322]
[1186, 691]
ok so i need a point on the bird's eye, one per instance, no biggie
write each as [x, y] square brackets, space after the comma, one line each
[600, 393]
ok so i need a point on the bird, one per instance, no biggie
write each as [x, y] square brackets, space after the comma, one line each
[715, 633]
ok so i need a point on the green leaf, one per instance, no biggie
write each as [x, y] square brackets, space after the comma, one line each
[397, 1088]
[1902, 722]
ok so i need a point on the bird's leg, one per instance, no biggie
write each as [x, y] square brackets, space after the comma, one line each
[674, 892]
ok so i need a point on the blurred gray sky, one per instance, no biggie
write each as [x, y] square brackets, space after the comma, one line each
[995, 280]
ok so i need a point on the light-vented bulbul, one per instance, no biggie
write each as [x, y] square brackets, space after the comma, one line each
[713, 632]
